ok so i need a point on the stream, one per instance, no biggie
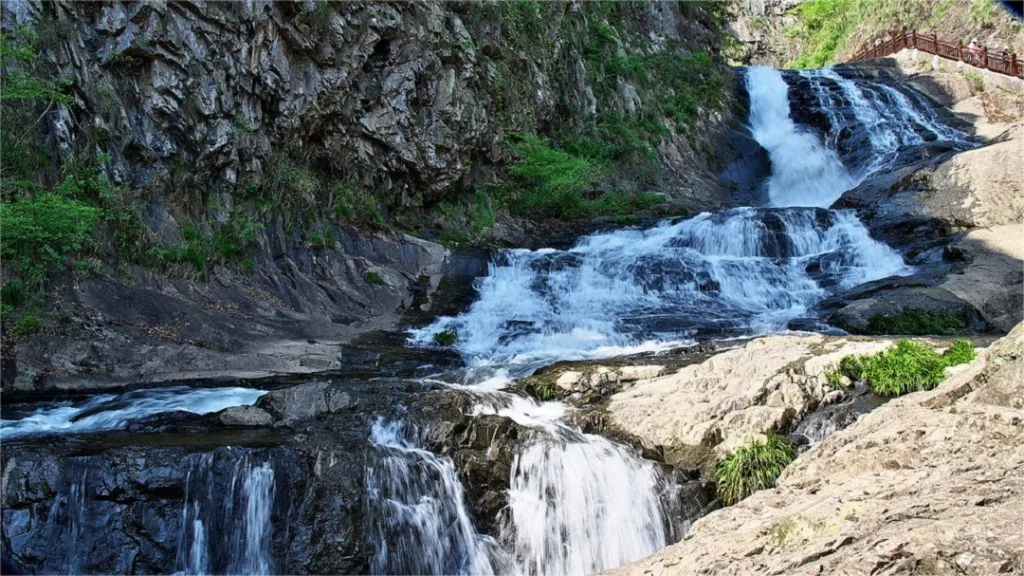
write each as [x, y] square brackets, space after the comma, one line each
[577, 503]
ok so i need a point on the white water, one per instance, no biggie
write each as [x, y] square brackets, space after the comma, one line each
[417, 516]
[230, 532]
[738, 272]
[110, 411]
[804, 171]
[581, 504]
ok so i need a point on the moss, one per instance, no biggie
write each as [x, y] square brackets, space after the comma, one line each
[322, 239]
[374, 278]
[447, 337]
[753, 467]
[917, 323]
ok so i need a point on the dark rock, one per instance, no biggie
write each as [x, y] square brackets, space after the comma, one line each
[245, 416]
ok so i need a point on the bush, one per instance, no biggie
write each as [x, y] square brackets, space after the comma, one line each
[753, 467]
[906, 367]
[552, 181]
[447, 337]
[834, 379]
[358, 208]
[44, 230]
[374, 279]
[544, 392]
[917, 323]
[28, 324]
[321, 240]
[961, 352]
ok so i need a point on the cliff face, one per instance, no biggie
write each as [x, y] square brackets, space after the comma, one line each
[405, 99]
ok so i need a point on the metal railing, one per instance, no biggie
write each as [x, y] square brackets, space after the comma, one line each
[980, 56]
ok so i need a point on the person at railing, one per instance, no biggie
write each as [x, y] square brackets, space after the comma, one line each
[974, 47]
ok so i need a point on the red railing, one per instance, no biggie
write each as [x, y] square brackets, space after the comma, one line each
[892, 42]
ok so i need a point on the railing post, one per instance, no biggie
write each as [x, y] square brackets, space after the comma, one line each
[935, 43]
[959, 50]
[913, 38]
[984, 56]
[1013, 64]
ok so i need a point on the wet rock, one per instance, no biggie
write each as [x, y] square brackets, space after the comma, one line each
[245, 416]
[304, 402]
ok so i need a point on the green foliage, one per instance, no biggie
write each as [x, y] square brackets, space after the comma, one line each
[322, 239]
[232, 241]
[834, 379]
[483, 214]
[447, 337]
[374, 278]
[453, 238]
[192, 252]
[19, 83]
[961, 352]
[917, 323]
[851, 368]
[977, 82]
[354, 207]
[544, 392]
[13, 294]
[982, 11]
[907, 367]
[27, 325]
[753, 467]
[44, 231]
[822, 27]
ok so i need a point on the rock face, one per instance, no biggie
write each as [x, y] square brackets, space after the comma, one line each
[709, 408]
[402, 99]
[929, 483]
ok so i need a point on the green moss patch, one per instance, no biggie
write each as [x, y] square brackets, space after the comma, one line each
[917, 323]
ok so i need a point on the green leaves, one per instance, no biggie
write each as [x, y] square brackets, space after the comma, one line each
[907, 367]
[753, 467]
[42, 231]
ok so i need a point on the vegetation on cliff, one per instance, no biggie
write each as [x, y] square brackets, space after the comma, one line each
[826, 31]
[562, 116]
[753, 467]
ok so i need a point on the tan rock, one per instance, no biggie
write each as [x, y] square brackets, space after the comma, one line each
[931, 483]
[734, 396]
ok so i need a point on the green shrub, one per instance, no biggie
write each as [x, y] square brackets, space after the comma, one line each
[42, 231]
[850, 367]
[28, 324]
[907, 367]
[351, 206]
[544, 392]
[13, 294]
[961, 352]
[374, 279]
[453, 237]
[321, 240]
[483, 214]
[753, 467]
[834, 379]
[551, 182]
[917, 323]
[447, 337]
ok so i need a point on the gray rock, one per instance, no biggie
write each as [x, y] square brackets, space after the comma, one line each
[245, 416]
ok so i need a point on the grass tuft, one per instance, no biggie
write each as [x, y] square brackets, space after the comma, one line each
[906, 367]
[753, 467]
[374, 278]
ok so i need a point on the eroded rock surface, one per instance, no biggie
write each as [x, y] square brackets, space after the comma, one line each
[929, 483]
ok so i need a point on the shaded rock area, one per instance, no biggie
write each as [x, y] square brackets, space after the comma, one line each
[929, 483]
[127, 501]
[288, 318]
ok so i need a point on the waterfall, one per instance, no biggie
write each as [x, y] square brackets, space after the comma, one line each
[580, 504]
[738, 272]
[804, 171]
[417, 518]
[226, 531]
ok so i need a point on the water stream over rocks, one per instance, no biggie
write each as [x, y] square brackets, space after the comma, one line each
[575, 503]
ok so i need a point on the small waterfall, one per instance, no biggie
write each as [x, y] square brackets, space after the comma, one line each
[417, 518]
[68, 516]
[226, 531]
[804, 172]
[580, 504]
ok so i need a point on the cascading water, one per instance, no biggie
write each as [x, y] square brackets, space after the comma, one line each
[226, 532]
[804, 171]
[416, 512]
[579, 503]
